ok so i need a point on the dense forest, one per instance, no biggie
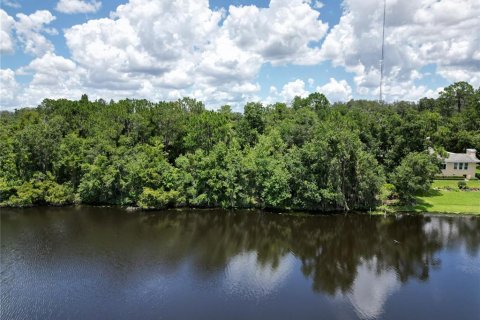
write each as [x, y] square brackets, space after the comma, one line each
[306, 155]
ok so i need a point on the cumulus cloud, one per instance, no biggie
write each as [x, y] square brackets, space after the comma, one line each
[78, 6]
[293, 89]
[52, 77]
[185, 47]
[336, 90]
[49, 69]
[417, 33]
[30, 31]
[168, 49]
[281, 33]
[289, 91]
[8, 89]
[6, 25]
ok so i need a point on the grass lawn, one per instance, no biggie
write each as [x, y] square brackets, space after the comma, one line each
[447, 202]
[454, 184]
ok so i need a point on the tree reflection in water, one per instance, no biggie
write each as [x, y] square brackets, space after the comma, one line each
[331, 248]
[356, 258]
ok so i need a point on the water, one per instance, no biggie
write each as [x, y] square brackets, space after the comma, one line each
[107, 263]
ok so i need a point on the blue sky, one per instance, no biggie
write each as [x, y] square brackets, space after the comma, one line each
[230, 52]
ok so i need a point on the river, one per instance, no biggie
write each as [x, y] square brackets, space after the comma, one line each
[109, 263]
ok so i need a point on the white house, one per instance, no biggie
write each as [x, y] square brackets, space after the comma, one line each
[460, 164]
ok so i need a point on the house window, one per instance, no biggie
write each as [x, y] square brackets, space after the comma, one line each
[465, 166]
[444, 166]
[455, 166]
[460, 166]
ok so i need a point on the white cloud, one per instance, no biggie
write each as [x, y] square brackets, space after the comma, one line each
[165, 49]
[78, 6]
[289, 91]
[281, 33]
[182, 47]
[12, 4]
[49, 69]
[318, 4]
[293, 89]
[160, 49]
[470, 73]
[6, 25]
[223, 63]
[336, 90]
[418, 33]
[29, 31]
[53, 77]
[8, 88]
[144, 39]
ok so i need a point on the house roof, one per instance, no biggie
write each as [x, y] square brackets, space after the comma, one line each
[461, 157]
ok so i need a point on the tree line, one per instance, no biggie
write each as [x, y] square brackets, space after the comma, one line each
[306, 155]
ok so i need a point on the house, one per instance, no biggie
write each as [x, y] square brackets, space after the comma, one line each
[460, 164]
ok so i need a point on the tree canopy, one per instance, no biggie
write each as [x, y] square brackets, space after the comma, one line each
[309, 155]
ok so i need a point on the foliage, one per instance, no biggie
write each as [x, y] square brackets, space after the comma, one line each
[41, 189]
[158, 199]
[306, 155]
[414, 175]
[387, 192]
[462, 185]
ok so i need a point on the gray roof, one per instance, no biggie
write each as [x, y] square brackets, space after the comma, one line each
[461, 157]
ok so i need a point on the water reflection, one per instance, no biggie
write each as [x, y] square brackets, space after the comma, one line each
[371, 288]
[81, 260]
[246, 278]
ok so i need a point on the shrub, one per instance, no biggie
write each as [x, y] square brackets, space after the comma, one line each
[6, 190]
[387, 192]
[59, 194]
[462, 185]
[41, 189]
[158, 199]
[449, 178]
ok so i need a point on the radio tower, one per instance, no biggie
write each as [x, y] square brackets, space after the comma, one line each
[383, 44]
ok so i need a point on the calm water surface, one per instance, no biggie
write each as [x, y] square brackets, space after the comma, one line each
[107, 263]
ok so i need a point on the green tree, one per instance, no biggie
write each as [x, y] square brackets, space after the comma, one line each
[205, 130]
[252, 124]
[267, 171]
[455, 97]
[414, 175]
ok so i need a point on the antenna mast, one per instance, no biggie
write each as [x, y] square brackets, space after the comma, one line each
[383, 44]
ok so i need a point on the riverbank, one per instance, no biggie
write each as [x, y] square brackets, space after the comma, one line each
[446, 197]
[436, 202]
[444, 201]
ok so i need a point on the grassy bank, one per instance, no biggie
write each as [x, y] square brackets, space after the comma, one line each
[445, 197]
[443, 201]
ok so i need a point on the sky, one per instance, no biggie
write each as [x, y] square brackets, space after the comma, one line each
[231, 52]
